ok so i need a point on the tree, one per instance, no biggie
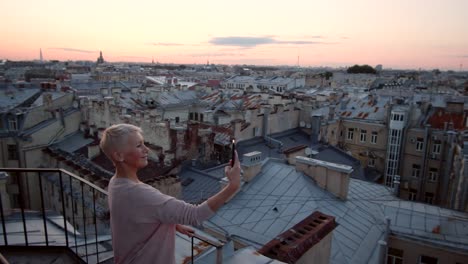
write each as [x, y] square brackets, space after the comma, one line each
[361, 69]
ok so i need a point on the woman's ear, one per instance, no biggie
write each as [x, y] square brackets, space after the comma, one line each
[118, 156]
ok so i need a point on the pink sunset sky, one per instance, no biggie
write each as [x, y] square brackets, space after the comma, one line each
[398, 34]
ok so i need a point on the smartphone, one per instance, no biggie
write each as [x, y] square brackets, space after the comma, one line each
[233, 154]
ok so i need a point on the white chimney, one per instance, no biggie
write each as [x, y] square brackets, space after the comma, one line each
[251, 165]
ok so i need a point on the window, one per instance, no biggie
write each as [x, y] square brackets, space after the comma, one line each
[412, 195]
[394, 256]
[398, 117]
[371, 163]
[436, 147]
[350, 134]
[419, 144]
[177, 119]
[12, 152]
[429, 198]
[416, 170]
[13, 124]
[374, 137]
[433, 174]
[190, 116]
[363, 135]
[427, 260]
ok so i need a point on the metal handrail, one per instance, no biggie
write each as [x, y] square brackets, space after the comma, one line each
[76, 177]
[77, 185]
[216, 244]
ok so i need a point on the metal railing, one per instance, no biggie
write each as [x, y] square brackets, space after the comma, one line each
[217, 245]
[82, 233]
[35, 199]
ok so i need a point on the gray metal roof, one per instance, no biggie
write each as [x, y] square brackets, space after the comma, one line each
[197, 186]
[361, 218]
[11, 98]
[73, 142]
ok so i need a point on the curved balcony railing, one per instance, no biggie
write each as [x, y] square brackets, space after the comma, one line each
[54, 207]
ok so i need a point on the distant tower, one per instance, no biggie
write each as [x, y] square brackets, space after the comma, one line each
[41, 59]
[152, 61]
[100, 59]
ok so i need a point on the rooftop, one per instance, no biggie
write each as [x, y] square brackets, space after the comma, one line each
[280, 197]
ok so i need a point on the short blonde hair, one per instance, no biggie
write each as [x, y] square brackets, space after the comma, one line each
[114, 137]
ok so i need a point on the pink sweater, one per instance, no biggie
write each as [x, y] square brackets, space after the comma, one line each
[143, 221]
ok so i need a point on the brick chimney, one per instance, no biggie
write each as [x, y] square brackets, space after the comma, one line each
[251, 165]
[330, 176]
[309, 241]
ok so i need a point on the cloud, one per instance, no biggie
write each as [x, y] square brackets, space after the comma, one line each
[250, 42]
[463, 56]
[241, 41]
[344, 37]
[75, 50]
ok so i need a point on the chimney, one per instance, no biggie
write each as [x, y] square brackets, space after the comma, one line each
[309, 241]
[93, 151]
[3, 192]
[316, 123]
[330, 176]
[331, 112]
[104, 91]
[266, 115]
[251, 165]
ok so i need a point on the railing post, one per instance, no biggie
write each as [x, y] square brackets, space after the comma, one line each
[3, 221]
[73, 212]
[192, 248]
[63, 209]
[219, 255]
[21, 201]
[95, 225]
[84, 221]
[43, 209]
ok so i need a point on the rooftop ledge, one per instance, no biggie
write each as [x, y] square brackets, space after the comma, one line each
[328, 165]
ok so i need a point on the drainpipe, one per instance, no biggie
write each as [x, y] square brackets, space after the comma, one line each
[444, 186]
[383, 243]
[396, 185]
[427, 132]
[464, 192]
[448, 167]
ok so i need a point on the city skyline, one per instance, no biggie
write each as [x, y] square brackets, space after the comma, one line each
[397, 34]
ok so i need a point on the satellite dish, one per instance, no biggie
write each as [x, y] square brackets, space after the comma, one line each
[308, 125]
[302, 123]
[308, 151]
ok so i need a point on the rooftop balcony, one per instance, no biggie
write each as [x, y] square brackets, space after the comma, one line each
[52, 214]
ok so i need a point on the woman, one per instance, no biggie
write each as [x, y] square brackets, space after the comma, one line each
[143, 220]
